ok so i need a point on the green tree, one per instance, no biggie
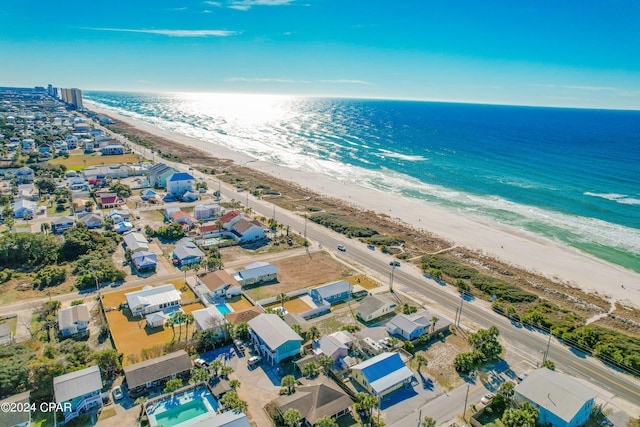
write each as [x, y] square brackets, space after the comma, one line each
[463, 286]
[326, 422]
[525, 416]
[422, 361]
[199, 376]
[325, 362]
[89, 205]
[120, 189]
[428, 422]
[435, 273]
[408, 345]
[231, 401]
[234, 384]
[225, 371]
[171, 324]
[292, 417]
[549, 365]
[45, 185]
[215, 367]
[365, 403]
[313, 333]
[110, 363]
[172, 385]
[507, 389]
[310, 370]
[486, 341]
[241, 330]
[434, 322]
[289, 382]
[282, 298]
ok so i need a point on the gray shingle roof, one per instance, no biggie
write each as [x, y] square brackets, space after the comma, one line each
[335, 288]
[156, 369]
[78, 383]
[559, 394]
[372, 303]
[68, 316]
[13, 418]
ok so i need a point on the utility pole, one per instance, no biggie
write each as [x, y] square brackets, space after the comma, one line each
[460, 312]
[393, 268]
[464, 413]
[546, 353]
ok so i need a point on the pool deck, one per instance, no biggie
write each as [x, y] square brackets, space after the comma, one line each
[175, 401]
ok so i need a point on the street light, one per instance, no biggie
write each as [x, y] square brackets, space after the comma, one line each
[393, 269]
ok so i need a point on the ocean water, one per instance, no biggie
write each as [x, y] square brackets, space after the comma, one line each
[570, 175]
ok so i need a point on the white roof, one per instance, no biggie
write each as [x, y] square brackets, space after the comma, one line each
[150, 296]
[273, 330]
[136, 241]
[76, 384]
[254, 271]
[67, 317]
[559, 394]
[157, 316]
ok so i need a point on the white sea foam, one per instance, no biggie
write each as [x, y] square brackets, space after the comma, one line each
[386, 153]
[624, 199]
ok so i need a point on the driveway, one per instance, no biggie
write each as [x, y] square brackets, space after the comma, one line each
[257, 389]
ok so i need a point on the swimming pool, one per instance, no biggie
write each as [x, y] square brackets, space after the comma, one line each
[183, 409]
[223, 309]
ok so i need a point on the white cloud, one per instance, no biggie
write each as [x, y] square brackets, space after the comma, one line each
[171, 33]
[616, 90]
[248, 4]
[264, 80]
[349, 82]
[214, 3]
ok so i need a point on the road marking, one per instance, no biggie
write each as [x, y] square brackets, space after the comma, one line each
[607, 378]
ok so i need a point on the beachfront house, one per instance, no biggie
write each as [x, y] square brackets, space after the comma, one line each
[159, 173]
[321, 398]
[155, 372]
[179, 183]
[112, 150]
[375, 306]
[382, 374]
[332, 292]
[562, 400]
[273, 338]
[206, 212]
[249, 230]
[187, 252]
[16, 418]
[256, 272]
[73, 320]
[62, 223]
[78, 391]
[150, 299]
[136, 242]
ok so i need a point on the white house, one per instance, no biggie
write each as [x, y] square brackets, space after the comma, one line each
[112, 150]
[136, 242]
[73, 320]
[220, 284]
[24, 207]
[179, 183]
[209, 318]
[249, 230]
[62, 223]
[374, 306]
[150, 299]
[157, 319]
[409, 326]
[273, 338]
[90, 220]
[257, 272]
[187, 252]
[206, 212]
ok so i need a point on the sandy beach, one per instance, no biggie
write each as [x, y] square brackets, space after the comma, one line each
[514, 246]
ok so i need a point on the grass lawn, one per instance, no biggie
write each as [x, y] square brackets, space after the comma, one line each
[81, 161]
[107, 413]
[154, 215]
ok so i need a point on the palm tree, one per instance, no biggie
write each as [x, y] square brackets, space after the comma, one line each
[292, 417]
[422, 361]
[141, 401]
[310, 370]
[234, 384]
[434, 321]
[45, 227]
[289, 382]
[215, 366]
[366, 403]
[428, 422]
[282, 298]
[313, 333]
[188, 318]
[179, 318]
[184, 269]
[326, 422]
[225, 371]
[170, 323]
[326, 362]
[199, 376]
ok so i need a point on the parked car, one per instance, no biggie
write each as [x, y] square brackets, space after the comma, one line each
[487, 398]
[117, 393]
[341, 248]
[253, 361]
[394, 263]
[373, 248]
[201, 363]
[239, 345]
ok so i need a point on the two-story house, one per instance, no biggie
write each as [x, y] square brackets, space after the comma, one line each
[78, 391]
[273, 338]
[73, 320]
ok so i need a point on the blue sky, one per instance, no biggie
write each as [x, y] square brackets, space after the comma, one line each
[567, 53]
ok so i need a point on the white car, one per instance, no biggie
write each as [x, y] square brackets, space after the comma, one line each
[117, 393]
[254, 360]
[341, 248]
[201, 363]
[486, 399]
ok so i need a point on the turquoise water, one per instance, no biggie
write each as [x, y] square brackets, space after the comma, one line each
[223, 309]
[182, 413]
[570, 175]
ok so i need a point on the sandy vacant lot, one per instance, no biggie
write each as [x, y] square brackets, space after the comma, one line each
[81, 161]
[301, 272]
[295, 305]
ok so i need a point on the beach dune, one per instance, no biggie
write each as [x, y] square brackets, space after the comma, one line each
[514, 246]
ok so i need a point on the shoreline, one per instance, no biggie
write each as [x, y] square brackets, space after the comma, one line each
[515, 247]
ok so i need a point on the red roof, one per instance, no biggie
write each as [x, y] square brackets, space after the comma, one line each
[206, 228]
[179, 215]
[108, 200]
[229, 216]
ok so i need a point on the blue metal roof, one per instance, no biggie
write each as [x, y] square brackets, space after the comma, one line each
[384, 371]
[180, 176]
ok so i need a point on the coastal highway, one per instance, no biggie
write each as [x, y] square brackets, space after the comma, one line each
[527, 343]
